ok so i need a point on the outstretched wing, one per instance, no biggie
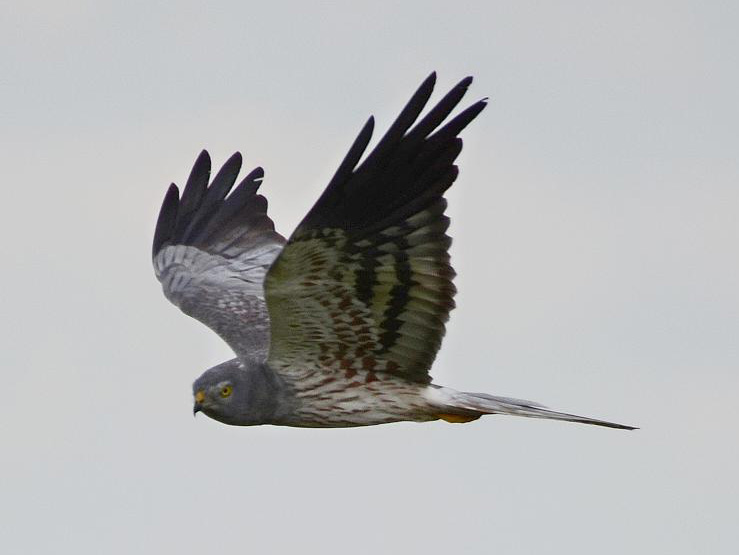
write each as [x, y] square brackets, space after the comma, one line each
[212, 251]
[364, 282]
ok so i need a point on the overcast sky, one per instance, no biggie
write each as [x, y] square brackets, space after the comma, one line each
[596, 240]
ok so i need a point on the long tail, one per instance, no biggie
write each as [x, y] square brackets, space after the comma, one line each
[479, 404]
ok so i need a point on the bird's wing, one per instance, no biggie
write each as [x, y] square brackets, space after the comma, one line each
[365, 282]
[212, 251]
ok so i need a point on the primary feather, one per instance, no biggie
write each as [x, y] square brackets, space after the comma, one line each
[212, 251]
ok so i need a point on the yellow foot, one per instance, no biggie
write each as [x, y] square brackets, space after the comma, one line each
[458, 418]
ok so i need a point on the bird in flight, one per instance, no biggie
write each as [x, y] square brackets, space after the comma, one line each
[337, 326]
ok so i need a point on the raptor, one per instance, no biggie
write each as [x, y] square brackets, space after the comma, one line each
[339, 325]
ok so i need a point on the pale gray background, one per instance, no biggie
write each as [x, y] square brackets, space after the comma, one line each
[596, 240]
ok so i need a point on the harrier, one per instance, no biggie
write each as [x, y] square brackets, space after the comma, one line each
[337, 326]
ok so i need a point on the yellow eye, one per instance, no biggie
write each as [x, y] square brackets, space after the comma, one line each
[226, 390]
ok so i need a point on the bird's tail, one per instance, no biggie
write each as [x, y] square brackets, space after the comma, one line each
[474, 405]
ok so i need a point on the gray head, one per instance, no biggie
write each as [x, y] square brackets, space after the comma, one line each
[234, 394]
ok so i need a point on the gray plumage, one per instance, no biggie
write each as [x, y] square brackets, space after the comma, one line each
[339, 325]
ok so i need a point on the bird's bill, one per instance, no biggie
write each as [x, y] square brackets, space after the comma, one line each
[199, 398]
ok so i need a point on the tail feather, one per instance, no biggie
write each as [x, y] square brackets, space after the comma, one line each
[489, 404]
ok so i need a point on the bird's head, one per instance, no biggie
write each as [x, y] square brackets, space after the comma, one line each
[232, 394]
[221, 393]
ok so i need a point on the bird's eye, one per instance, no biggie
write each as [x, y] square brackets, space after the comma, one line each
[226, 391]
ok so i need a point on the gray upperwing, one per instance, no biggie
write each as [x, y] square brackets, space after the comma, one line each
[211, 253]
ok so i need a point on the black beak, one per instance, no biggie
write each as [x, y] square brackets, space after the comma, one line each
[195, 409]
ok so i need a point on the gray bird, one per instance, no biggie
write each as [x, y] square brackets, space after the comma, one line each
[339, 325]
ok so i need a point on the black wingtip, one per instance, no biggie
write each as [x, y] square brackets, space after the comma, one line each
[366, 133]
[236, 158]
[427, 87]
[352, 157]
[228, 173]
[254, 177]
[462, 120]
[200, 172]
[466, 82]
[419, 98]
[226, 176]
[477, 107]
[202, 160]
[409, 162]
[167, 218]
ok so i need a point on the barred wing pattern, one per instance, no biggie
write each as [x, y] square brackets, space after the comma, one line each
[364, 282]
[211, 253]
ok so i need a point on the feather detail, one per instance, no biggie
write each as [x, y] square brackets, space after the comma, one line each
[365, 280]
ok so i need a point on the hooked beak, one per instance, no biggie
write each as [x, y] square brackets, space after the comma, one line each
[199, 398]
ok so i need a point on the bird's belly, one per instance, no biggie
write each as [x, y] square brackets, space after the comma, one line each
[357, 398]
